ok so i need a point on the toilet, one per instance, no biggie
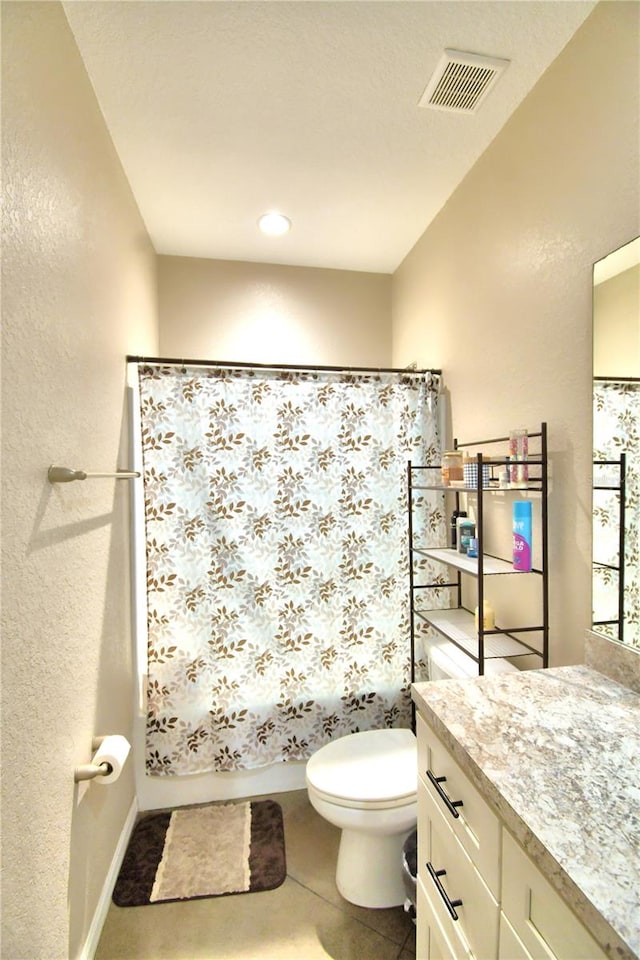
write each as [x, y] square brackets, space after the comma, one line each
[366, 783]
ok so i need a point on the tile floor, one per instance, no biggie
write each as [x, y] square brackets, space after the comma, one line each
[304, 919]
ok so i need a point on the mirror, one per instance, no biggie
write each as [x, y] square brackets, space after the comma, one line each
[616, 445]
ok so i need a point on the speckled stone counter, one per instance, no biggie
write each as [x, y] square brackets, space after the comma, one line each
[556, 753]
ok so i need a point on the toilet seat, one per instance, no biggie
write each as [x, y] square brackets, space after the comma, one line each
[373, 769]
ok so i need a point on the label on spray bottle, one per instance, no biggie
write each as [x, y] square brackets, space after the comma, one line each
[522, 536]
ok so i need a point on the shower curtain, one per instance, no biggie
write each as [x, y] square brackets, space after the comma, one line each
[277, 562]
[616, 430]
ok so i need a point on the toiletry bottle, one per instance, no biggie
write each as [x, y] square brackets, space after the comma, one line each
[522, 535]
[453, 525]
[466, 530]
[518, 456]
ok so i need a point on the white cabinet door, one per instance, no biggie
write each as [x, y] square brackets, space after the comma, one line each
[510, 946]
[539, 916]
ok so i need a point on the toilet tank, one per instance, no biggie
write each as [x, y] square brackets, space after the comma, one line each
[447, 662]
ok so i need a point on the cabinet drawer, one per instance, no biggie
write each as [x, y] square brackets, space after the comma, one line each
[476, 826]
[539, 916]
[478, 912]
[431, 940]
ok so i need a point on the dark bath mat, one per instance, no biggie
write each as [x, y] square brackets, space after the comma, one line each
[204, 851]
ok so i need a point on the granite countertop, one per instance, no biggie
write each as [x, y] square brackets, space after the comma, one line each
[556, 753]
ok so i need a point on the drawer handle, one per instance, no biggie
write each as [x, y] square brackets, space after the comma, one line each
[449, 904]
[448, 802]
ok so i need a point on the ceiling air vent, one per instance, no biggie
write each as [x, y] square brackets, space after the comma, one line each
[461, 81]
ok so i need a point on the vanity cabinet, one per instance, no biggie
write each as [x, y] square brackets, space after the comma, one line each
[457, 623]
[478, 893]
[458, 856]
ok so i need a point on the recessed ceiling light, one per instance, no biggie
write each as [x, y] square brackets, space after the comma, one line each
[274, 224]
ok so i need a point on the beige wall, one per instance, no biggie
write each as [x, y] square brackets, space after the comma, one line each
[78, 294]
[264, 313]
[616, 326]
[498, 290]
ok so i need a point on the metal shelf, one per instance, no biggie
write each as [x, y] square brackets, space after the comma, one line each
[458, 625]
[491, 566]
[452, 488]
[621, 465]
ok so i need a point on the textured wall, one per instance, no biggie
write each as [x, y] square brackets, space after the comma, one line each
[78, 294]
[264, 313]
[498, 291]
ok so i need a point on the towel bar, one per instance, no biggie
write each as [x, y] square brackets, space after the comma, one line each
[66, 475]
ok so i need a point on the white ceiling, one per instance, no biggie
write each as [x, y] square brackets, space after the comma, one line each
[223, 109]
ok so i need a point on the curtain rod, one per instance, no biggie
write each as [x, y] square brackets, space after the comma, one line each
[185, 362]
[619, 379]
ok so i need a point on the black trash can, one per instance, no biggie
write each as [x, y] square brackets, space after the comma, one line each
[410, 872]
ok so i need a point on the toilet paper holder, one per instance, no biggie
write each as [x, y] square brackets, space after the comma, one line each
[89, 771]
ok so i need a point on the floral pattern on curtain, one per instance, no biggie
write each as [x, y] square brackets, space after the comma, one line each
[277, 558]
[616, 430]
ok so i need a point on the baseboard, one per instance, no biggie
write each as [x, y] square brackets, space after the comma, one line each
[100, 915]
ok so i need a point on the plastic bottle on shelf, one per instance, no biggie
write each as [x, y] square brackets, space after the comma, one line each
[522, 536]
[518, 456]
[466, 530]
[454, 528]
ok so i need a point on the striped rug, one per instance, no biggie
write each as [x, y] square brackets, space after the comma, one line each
[203, 851]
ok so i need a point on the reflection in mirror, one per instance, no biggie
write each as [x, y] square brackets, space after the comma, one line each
[616, 445]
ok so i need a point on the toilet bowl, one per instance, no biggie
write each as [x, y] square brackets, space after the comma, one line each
[365, 783]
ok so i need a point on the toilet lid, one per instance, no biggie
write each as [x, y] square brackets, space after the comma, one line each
[367, 766]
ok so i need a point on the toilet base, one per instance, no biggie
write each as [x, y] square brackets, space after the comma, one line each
[369, 869]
